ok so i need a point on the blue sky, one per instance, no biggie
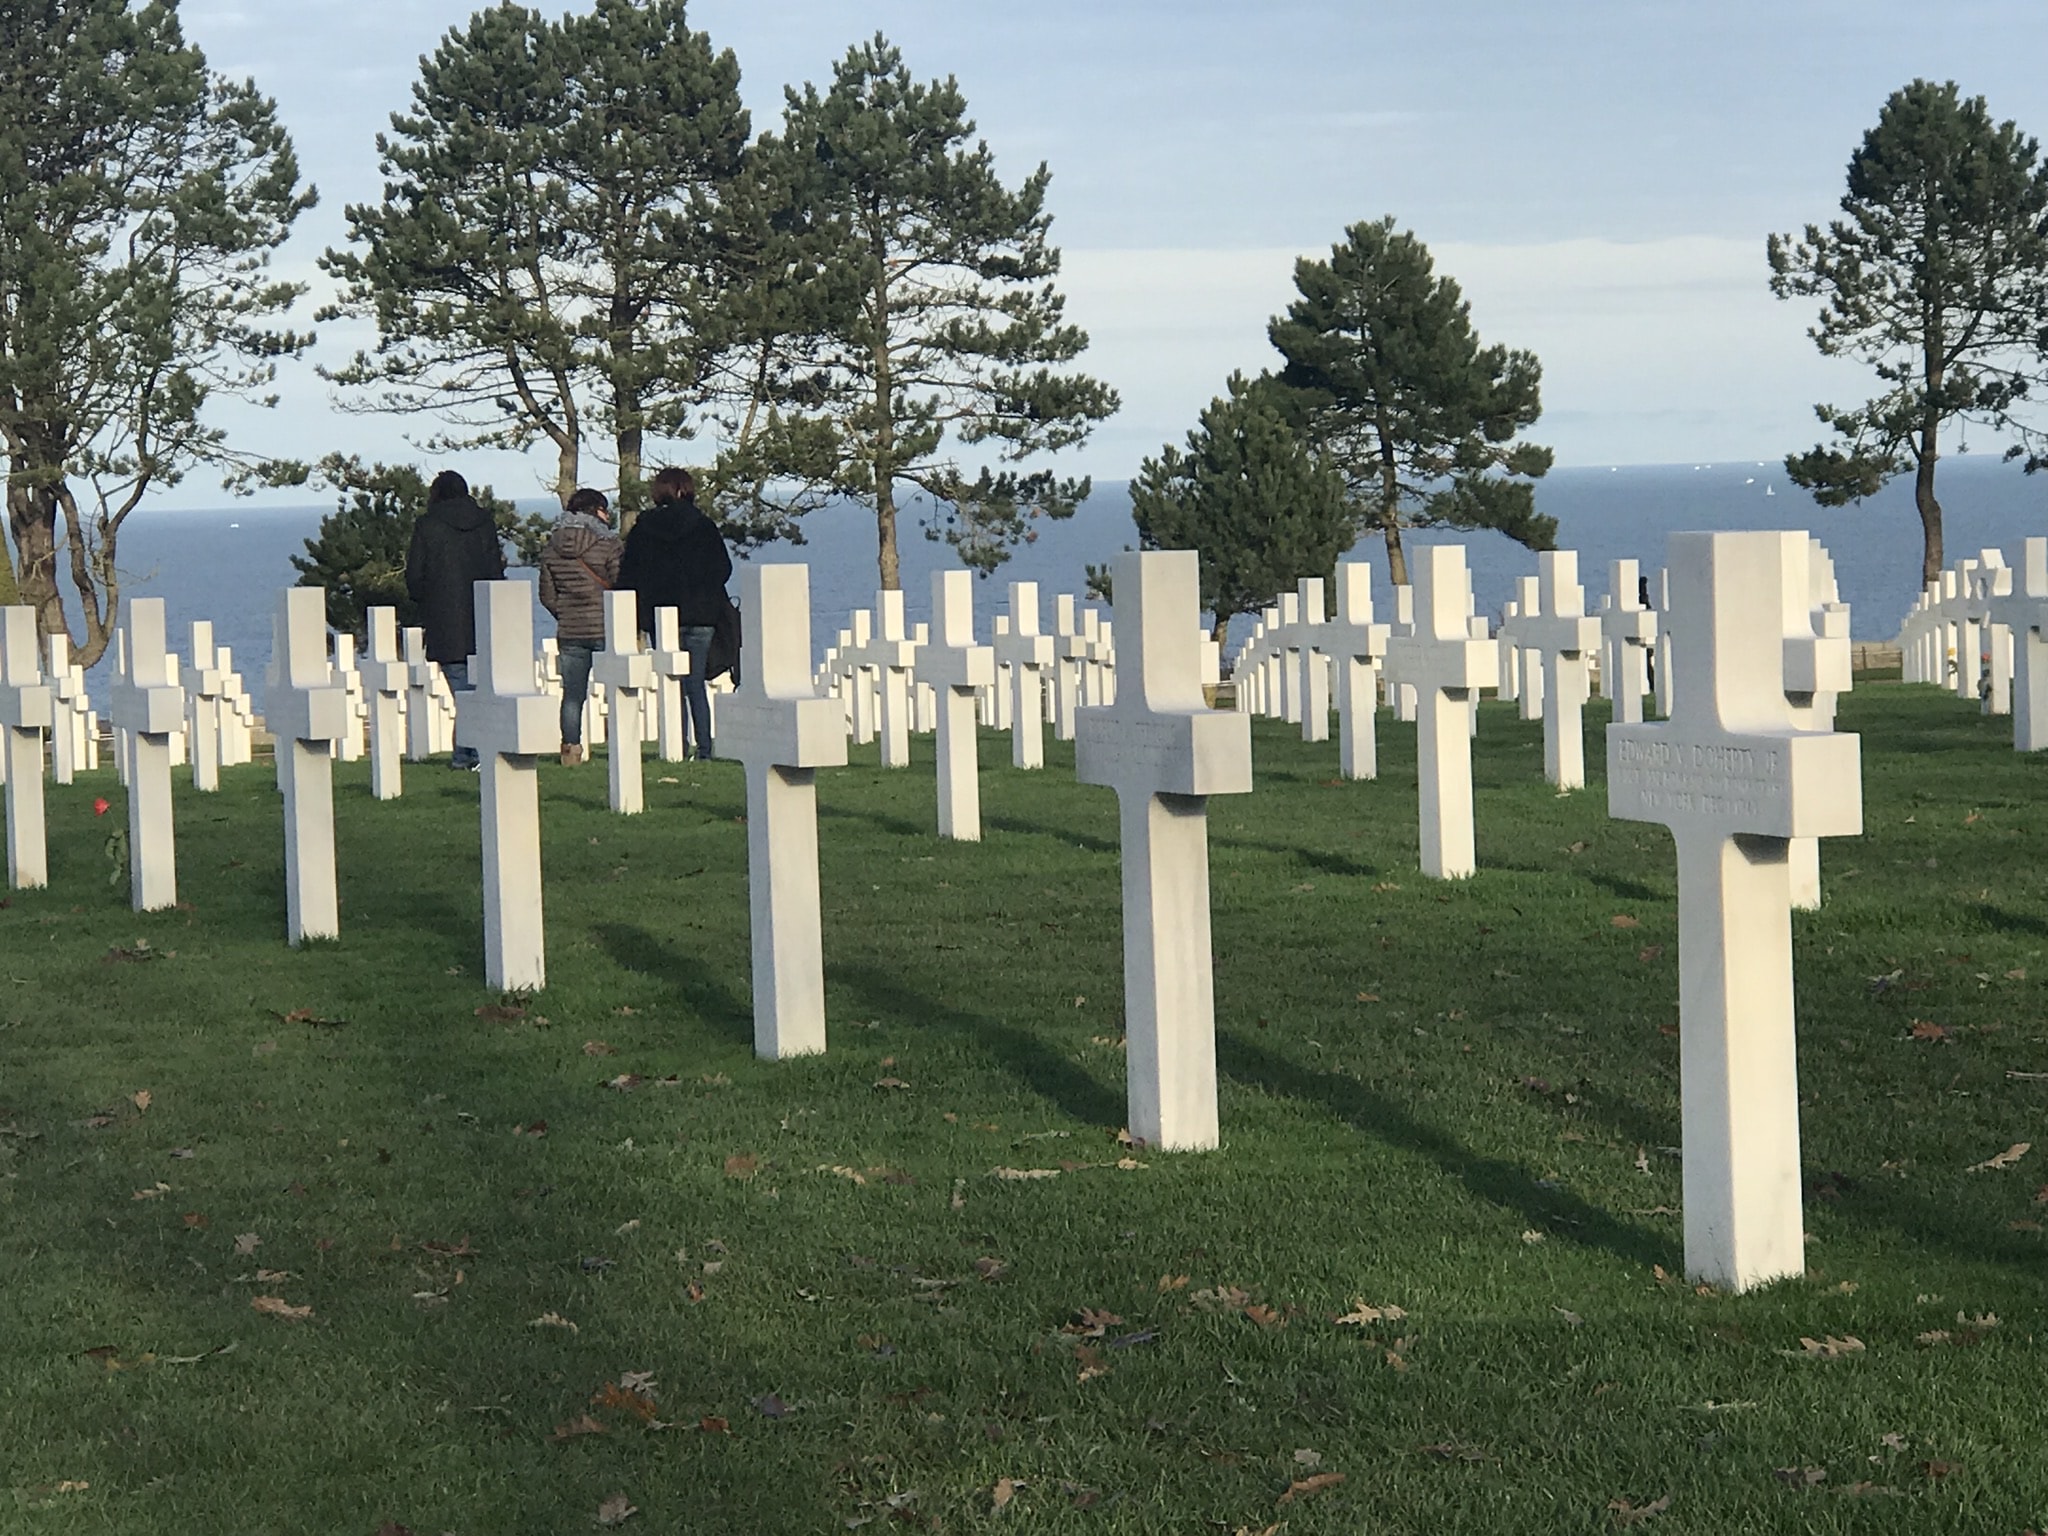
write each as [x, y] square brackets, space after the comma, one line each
[1599, 175]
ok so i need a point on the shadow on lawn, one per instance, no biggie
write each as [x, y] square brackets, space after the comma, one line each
[1999, 920]
[898, 825]
[1035, 1063]
[1323, 860]
[1492, 1179]
[635, 949]
[1069, 835]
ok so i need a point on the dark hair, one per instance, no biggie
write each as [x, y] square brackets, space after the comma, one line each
[587, 500]
[674, 485]
[446, 487]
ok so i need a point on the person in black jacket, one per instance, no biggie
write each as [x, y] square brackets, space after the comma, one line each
[676, 558]
[454, 546]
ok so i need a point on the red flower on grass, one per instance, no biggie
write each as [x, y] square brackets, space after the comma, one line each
[101, 807]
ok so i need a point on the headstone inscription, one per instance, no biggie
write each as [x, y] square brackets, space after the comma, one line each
[1447, 667]
[1164, 752]
[509, 722]
[627, 673]
[956, 668]
[1735, 780]
[384, 681]
[308, 711]
[149, 707]
[27, 711]
[783, 733]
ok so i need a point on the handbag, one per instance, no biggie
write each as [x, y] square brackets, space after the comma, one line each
[724, 654]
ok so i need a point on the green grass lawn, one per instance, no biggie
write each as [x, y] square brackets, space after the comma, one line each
[586, 1246]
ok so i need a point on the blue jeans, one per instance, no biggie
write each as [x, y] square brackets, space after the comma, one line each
[457, 673]
[574, 657]
[696, 640]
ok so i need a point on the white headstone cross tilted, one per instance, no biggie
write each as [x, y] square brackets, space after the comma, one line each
[27, 710]
[954, 665]
[784, 732]
[1735, 780]
[149, 706]
[1164, 752]
[628, 671]
[1027, 656]
[1566, 639]
[384, 682]
[308, 710]
[1359, 646]
[1447, 667]
[509, 722]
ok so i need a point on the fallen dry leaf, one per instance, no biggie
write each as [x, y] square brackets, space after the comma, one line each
[157, 1193]
[1027, 1173]
[278, 1307]
[1089, 1358]
[1004, 1491]
[623, 1399]
[141, 1100]
[1800, 1477]
[1626, 1513]
[574, 1429]
[598, 1048]
[742, 1165]
[616, 1510]
[1828, 1348]
[1362, 1313]
[891, 1084]
[1308, 1487]
[554, 1320]
[1623, 920]
[247, 1243]
[2005, 1159]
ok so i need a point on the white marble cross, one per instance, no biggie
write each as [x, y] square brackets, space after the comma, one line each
[1629, 630]
[627, 672]
[1559, 631]
[26, 712]
[956, 667]
[891, 656]
[308, 711]
[783, 732]
[2024, 613]
[1028, 657]
[1660, 604]
[1070, 648]
[384, 680]
[671, 666]
[70, 711]
[1312, 640]
[1734, 779]
[421, 675]
[349, 673]
[1447, 667]
[1164, 752]
[1993, 581]
[509, 722]
[149, 707]
[1509, 687]
[1818, 671]
[206, 688]
[1359, 646]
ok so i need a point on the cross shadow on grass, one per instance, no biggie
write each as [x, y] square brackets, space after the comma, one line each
[1491, 1179]
[1999, 920]
[635, 949]
[1323, 860]
[1069, 835]
[898, 825]
[1035, 1063]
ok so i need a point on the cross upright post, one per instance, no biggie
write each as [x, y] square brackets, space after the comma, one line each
[1292, 670]
[27, 711]
[1735, 779]
[510, 722]
[1969, 655]
[1312, 635]
[1564, 637]
[1630, 630]
[2024, 613]
[1164, 752]
[1818, 671]
[69, 707]
[1360, 646]
[1069, 650]
[671, 666]
[308, 711]
[783, 732]
[627, 671]
[205, 687]
[149, 706]
[894, 656]
[1028, 656]
[420, 704]
[1994, 581]
[348, 673]
[1446, 667]
[384, 682]
[956, 667]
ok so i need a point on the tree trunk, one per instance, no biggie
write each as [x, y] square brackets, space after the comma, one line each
[885, 527]
[1397, 559]
[1930, 509]
[1390, 505]
[32, 516]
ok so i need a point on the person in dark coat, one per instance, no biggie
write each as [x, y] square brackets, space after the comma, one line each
[579, 565]
[676, 558]
[454, 546]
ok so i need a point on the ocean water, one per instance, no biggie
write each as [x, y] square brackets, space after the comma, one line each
[227, 566]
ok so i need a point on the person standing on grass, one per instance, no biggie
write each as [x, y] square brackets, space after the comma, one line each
[454, 546]
[579, 565]
[676, 558]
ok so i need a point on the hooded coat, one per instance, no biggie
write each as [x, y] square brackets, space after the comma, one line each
[454, 546]
[579, 565]
[676, 558]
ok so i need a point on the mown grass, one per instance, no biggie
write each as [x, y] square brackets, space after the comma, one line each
[1460, 1101]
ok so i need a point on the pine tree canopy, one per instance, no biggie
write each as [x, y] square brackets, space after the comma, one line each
[1936, 278]
[1394, 391]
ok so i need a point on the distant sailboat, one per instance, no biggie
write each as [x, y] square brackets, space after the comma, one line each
[1770, 490]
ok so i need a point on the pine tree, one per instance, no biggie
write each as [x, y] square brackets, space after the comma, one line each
[1249, 497]
[1395, 392]
[913, 303]
[1934, 278]
[141, 197]
[550, 261]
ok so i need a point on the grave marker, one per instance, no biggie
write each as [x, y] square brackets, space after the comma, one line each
[671, 666]
[2024, 613]
[1164, 752]
[1734, 779]
[27, 710]
[308, 711]
[956, 667]
[627, 673]
[149, 707]
[1028, 656]
[1559, 631]
[1359, 646]
[1630, 630]
[384, 679]
[1446, 667]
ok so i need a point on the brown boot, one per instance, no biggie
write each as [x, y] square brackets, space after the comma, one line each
[571, 755]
